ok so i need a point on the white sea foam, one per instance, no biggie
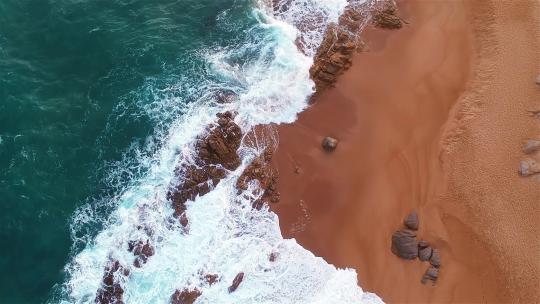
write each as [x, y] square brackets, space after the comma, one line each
[226, 236]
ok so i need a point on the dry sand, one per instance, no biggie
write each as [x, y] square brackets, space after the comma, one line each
[431, 118]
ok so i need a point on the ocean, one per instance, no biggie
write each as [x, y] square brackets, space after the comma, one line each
[101, 99]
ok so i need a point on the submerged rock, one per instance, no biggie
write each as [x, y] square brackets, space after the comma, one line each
[404, 244]
[411, 221]
[185, 296]
[111, 292]
[142, 251]
[236, 282]
[329, 144]
[538, 80]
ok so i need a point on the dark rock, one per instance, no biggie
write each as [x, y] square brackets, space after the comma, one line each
[530, 146]
[423, 244]
[236, 282]
[435, 259]
[142, 251]
[528, 167]
[538, 80]
[404, 244]
[411, 221]
[329, 144]
[185, 296]
[424, 254]
[431, 274]
[111, 292]
[261, 170]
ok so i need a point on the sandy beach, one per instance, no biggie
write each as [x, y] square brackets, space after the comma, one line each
[432, 118]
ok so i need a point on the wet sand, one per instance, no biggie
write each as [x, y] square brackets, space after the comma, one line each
[430, 118]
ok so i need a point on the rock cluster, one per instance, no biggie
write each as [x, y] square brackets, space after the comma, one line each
[111, 292]
[185, 296]
[340, 41]
[261, 170]
[405, 246]
[216, 153]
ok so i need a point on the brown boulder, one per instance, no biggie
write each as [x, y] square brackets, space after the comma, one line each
[329, 144]
[411, 221]
[185, 296]
[404, 244]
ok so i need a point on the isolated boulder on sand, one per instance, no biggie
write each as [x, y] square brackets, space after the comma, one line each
[329, 144]
[404, 244]
[411, 221]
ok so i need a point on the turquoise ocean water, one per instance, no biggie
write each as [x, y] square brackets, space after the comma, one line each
[101, 99]
[80, 84]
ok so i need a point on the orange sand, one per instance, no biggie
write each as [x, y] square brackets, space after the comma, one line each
[430, 118]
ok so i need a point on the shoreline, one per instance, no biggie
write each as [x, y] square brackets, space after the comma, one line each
[415, 117]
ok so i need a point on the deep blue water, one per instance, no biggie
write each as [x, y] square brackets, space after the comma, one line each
[81, 90]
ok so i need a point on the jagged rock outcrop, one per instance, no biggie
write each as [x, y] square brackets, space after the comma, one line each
[216, 153]
[340, 41]
[261, 170]
[111, 292]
